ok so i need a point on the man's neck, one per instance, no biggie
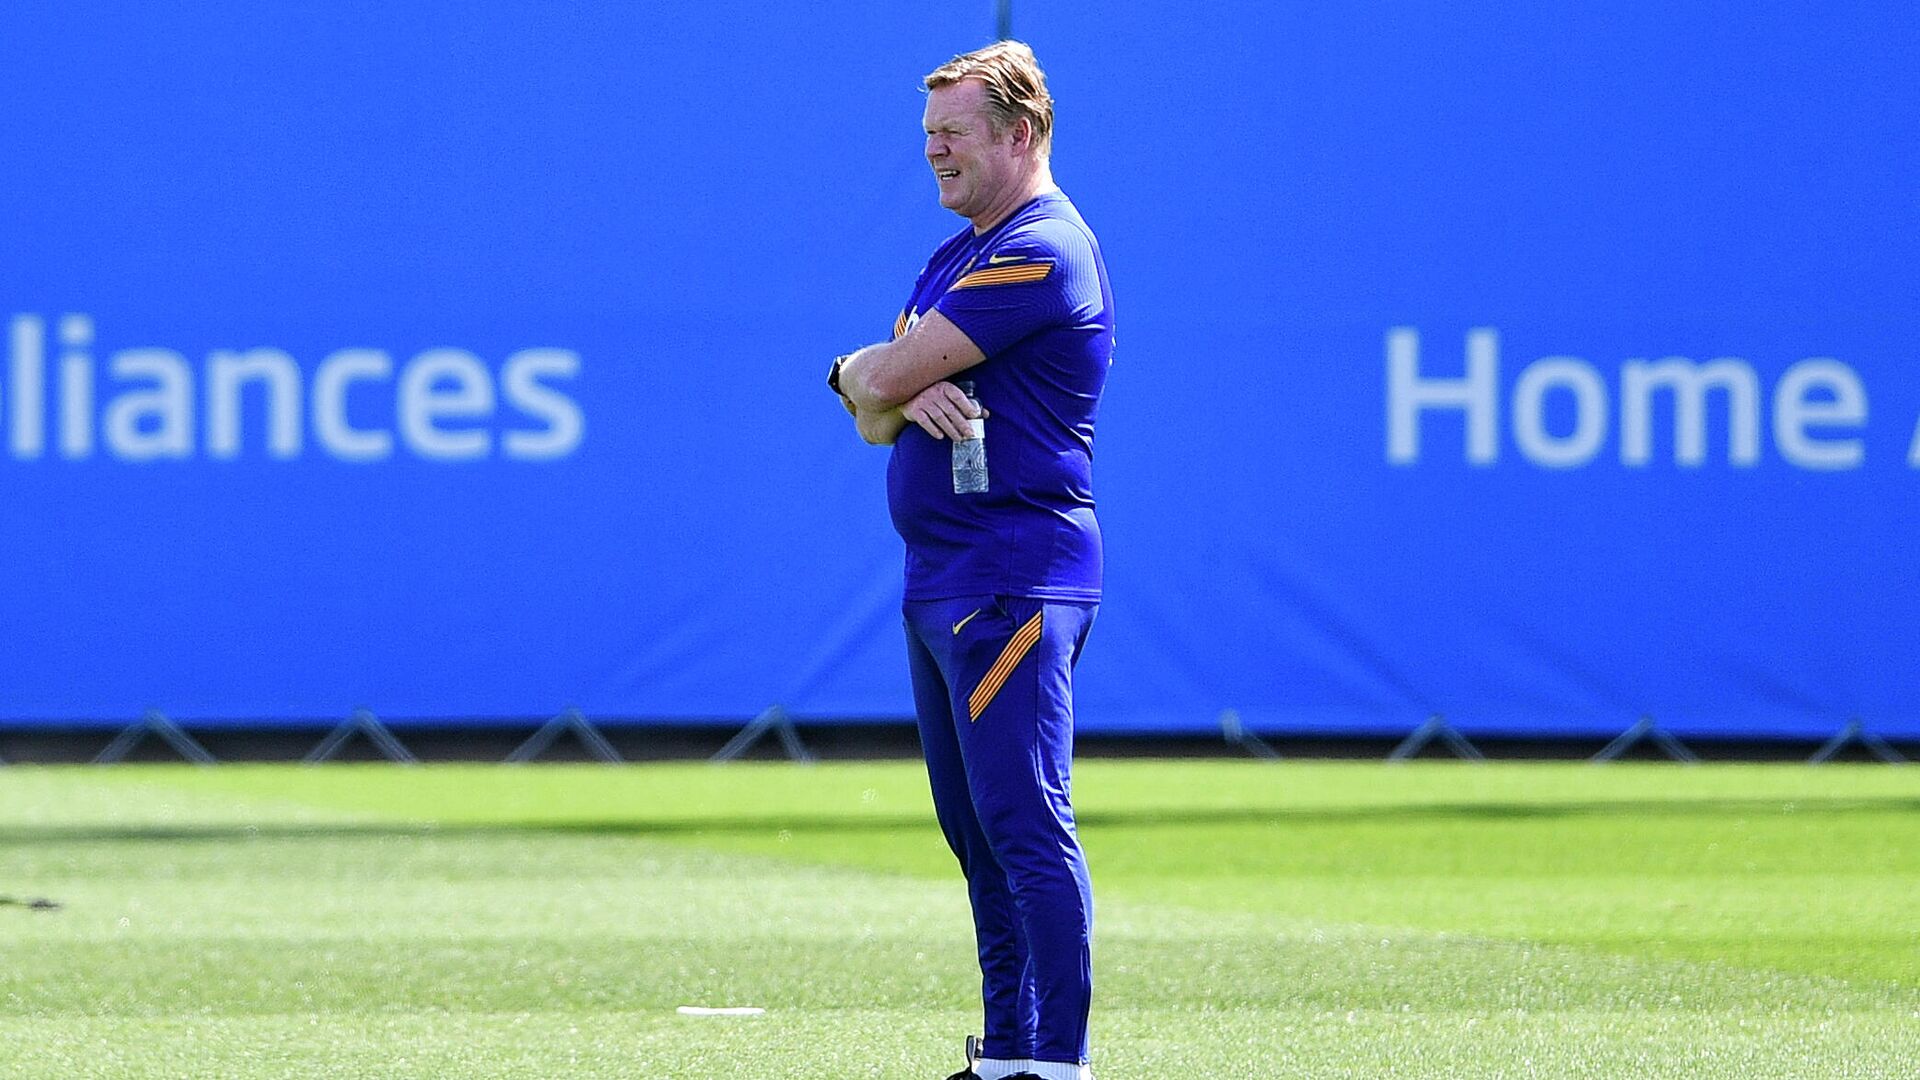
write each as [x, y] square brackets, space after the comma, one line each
[1018, 196]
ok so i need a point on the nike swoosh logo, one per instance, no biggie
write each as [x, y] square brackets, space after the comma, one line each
[996, 260]
[965, 621]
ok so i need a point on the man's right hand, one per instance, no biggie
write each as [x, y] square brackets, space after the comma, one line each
[943, 411]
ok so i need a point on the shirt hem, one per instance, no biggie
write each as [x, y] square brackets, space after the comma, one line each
[1073, 596]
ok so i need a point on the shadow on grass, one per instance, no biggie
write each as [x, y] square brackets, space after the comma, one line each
[21, 835]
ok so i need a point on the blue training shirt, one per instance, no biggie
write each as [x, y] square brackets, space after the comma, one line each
[1032, 293]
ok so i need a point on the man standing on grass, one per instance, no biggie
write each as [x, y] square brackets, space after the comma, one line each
[987, 393]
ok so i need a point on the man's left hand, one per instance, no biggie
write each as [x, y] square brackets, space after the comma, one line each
[944, 411]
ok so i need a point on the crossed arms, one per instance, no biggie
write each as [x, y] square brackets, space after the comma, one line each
[885, 386]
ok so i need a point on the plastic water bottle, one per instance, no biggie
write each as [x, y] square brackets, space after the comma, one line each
[970, 455]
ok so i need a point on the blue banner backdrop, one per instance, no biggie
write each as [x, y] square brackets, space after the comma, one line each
[1541, 367]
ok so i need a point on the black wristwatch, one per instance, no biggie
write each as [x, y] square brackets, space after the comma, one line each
[833, 373]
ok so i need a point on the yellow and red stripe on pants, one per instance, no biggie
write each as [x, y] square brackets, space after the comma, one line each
[1023, 640]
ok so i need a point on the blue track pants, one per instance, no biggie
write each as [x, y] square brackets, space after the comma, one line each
[993, 685]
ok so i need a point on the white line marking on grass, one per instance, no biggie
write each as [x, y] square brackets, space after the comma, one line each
[732, 1010]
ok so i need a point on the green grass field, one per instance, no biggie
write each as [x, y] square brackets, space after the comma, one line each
[1255, 920]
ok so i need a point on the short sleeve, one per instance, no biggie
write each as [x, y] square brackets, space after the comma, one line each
[1021, 286]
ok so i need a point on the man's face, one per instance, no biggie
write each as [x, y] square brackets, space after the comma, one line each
[972, 167]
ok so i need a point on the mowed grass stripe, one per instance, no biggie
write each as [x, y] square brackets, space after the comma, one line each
[893, 1043]
[808, 950]
[746, 791]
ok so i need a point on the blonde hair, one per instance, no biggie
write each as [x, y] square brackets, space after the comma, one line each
[1016, 87]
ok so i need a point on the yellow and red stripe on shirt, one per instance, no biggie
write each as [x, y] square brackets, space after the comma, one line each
[1006, 275]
